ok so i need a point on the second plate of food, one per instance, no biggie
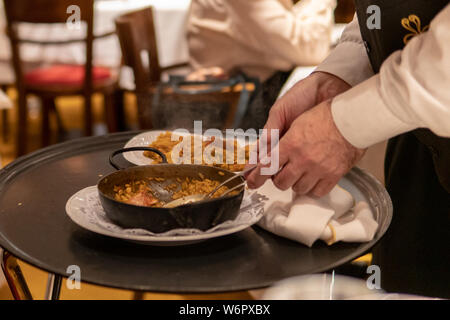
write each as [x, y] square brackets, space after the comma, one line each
[167, 142]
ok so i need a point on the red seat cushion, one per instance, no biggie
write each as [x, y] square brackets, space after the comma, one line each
[64, 75]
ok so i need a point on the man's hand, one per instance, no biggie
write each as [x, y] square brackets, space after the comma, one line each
[304, 95]
[312, 153]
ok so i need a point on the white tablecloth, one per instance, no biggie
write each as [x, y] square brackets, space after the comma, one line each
[5, 101]
[170, 21]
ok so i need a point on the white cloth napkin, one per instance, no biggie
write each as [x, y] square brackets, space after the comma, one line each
[332, 218]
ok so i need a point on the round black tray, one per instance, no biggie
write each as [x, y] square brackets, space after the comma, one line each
[35, 228]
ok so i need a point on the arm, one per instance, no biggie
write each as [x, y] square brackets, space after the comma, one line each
[411, 91]
[313, 153]
[349, 60]
[300, 35]
[346, 66]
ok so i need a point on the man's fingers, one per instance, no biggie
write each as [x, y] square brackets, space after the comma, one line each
[322, 188]
[277, 158]
[290, 172]
[306, 183]
[286, 178]
[255, 179]
[272, 124]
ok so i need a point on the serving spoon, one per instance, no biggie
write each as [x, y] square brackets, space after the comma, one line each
[200, 197]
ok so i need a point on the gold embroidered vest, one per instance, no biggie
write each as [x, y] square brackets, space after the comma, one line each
[387, 26]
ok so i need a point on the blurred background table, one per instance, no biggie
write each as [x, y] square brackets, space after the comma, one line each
[170, 18]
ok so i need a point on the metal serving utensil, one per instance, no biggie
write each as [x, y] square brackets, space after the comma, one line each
[200, 197]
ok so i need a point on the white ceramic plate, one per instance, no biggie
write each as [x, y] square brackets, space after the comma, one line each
[85, 209]
[141, 140]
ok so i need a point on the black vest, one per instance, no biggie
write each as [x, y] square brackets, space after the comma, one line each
[400, 20]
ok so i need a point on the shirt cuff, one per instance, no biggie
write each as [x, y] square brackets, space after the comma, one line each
[363, 118]
[348, 61]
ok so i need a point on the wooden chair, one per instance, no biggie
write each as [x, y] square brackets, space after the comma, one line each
[60, 80]
[137, 37]
[136, 32]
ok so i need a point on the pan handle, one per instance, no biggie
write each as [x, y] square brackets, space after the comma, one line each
[117, 167]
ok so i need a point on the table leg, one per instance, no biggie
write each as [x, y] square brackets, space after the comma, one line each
[53, 287]
[14, 277]
[138, 295]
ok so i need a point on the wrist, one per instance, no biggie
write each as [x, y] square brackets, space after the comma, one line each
[328, 85]
[354, 154]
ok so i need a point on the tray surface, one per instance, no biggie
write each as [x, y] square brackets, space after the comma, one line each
[35, 228]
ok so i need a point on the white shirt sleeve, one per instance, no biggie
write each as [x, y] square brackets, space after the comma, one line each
[300, 34]
[411, 91]
[349, 60]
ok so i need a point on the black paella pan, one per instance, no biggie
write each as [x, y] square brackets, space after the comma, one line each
[201, 215]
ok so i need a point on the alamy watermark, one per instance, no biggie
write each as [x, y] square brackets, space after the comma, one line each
[373, 282]
[374, 20]
[262, 147]
[73, 22]
[74, 278]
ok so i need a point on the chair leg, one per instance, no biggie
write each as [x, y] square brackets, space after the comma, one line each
[47, 105]
[119, 107]
[111, 113]
[5, 122]
[5, 126]
[14, 277]
[144, 102]
[59, 121]
[22, 131]
[88, 115]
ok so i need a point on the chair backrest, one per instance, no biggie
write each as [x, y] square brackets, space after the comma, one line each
[136, 32]
[48, 11]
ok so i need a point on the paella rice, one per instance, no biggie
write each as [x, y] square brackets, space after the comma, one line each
[165, 144]
[140, 193]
